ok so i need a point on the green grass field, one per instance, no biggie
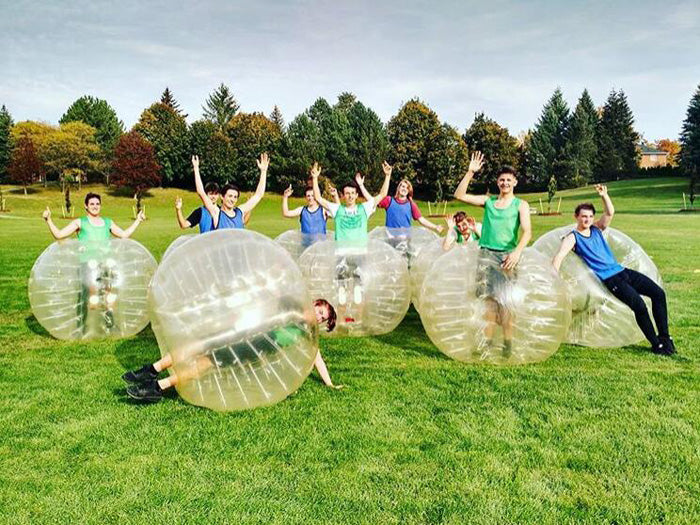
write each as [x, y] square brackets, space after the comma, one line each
[589, 436]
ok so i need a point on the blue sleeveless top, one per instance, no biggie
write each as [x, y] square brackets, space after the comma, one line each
[227, 222]
[398, 214]
[312, 222]
[206, 222]
[596, 253]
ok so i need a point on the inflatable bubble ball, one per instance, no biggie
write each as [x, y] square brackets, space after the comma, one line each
[368, 286]
[429, 253]
[91, 291]
[599, 319]
[475, 312]
[232, 310]
[408, 241]
[296, 242]
[177, 242]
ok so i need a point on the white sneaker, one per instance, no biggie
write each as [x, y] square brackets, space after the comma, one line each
[357, 294]
[342, 295]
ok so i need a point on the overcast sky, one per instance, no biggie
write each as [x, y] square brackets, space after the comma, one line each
[501, 57]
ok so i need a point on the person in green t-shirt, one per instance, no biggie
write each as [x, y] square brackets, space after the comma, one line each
[505, 216]
[94, 231]
[145, 385]
[461, 228]
[351, 228]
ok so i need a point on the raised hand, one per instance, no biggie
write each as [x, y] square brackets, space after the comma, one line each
[288, 192]
[440, 228]
[450, 220]
[359, 178]
[601, 189]
[315, 170]
[47, 214]
[195, 162]
[141, 216]
[264, 162]
[387, 168]
[472, 223]
[476, 162]
[178, 203]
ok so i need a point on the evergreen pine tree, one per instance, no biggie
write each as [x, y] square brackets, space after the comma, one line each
[5, 145]
[276, 117]
[168, 99]
[220, 107]
[581, 144]
[100, 115]
[616, 139]
[690, 143]
[547, 155]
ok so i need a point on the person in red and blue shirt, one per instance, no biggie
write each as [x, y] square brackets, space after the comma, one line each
[401, 210]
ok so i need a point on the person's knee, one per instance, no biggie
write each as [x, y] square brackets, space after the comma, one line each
[637, 304]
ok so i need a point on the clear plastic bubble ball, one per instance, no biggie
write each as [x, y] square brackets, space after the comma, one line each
[296, 242]
[232, 310]
[91, 291]
[429, 253]
[474, 311]
[599, 319]
[408, 241]
[368, 287]
[179, 241]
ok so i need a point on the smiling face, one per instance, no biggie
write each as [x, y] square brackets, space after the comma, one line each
[403, 190]
[310, 200]
[93, 207]
[584, 219]
[213, 196]
[349, 195]
[230, 199]
[463, 227]
[506, 183]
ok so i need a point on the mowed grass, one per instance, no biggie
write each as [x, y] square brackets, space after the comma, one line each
[589, 436]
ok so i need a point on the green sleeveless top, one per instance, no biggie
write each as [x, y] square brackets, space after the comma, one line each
[95, 238]
[351, 229]
[500, 228]
[460, 238]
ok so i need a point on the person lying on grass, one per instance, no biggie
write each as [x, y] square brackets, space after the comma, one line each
[145, 385]
[587, 241]
[461, 228]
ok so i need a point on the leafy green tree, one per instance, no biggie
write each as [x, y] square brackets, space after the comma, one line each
[448, 159]
[276, 117]
[495, 142]
[101, 116]
[581, 149]
[220, 107]
[135, 166]
[547, 154]
[25, 166]
[6, 124]
[168, 99]
[167, 131]
[616, 140]
[690, 143]
[217, 156]
[367, 143]
[301, 147]
[252, 134]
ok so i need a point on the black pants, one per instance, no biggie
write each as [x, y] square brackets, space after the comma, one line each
[628, 286]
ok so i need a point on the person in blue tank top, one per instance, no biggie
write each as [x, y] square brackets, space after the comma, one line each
[587, 241]
[230, 216]
[401, 210]
[201, 215]
[312, 217]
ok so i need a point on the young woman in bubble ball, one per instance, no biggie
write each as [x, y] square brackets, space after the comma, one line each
[505, 216]
[587, 241]
[230, 216]
[461, 228]
[145, 385]
[94, 231]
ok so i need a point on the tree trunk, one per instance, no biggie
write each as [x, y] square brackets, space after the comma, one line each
[25, 189]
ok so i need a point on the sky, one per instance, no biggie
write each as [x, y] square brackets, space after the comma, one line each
[504, 58]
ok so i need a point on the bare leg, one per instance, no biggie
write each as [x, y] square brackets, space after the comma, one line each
[163, 363]
[491, 318]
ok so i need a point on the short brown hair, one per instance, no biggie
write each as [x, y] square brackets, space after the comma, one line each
[330, 323]
[507, 169]
[459, 216]
[92, 196]
[584, 206]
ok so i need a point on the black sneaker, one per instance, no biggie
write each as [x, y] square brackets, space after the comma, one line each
[142, 375]
[666, 342]
[109, 319]
[661, 349]
[147, 392]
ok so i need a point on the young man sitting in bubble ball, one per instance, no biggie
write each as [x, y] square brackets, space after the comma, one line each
[148, 388]
[461, 228]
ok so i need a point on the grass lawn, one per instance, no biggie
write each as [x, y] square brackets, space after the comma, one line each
[591, 435]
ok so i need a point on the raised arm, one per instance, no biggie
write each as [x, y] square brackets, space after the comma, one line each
[451, 236]
[212, 208]
[513, 257]
[384, 191]
[184, 223]
[263, 163]
[461, 194]
[58, 234]
[315, 172]
[125, 234]
[608, 208]
[286, 212]
[360, 181]
[567, 244]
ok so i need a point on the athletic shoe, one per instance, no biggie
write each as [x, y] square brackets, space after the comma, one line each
[147, 392]
[666, 343]
[109, 319]
[142, 375]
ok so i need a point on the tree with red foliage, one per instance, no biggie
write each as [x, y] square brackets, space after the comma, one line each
[25, 165]
[135, 165]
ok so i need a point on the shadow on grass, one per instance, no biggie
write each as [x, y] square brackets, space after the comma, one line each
[137, 351]
[20, 191]
[168, 396]
[113, 191]
[410, 338]
[34, 326]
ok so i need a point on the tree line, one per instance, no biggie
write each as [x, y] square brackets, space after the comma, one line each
[564, 149]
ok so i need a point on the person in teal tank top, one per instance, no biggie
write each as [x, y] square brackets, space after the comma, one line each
[351, 234]
[97, 277]
[461, 229]
[504, 217]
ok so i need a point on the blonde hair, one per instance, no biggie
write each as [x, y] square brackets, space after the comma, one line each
[410, 188]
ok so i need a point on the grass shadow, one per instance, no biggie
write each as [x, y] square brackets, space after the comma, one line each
[20, 191]
[33, 325]
[409, 337]
[136, 351]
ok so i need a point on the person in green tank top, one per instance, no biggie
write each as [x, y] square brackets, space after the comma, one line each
[351, 230]
[94, 232]
[144, 384]
[461, 228]
[505, 216]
